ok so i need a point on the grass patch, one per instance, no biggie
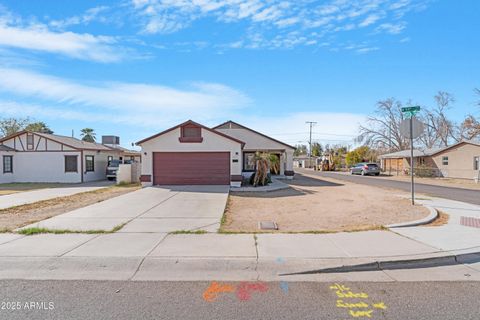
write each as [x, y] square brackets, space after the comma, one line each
[188, 232]
[442, 219]
[37, 230]
[124, 184]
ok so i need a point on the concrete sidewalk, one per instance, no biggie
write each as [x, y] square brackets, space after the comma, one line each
[26, 197]
[453, 235]
[162, 256]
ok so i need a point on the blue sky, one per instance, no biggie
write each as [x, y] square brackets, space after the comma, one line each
[133, 68]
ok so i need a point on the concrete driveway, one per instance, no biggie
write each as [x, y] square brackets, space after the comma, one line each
[26, 197]
[149, 210]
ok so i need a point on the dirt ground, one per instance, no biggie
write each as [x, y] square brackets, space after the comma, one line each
[16, 217]
[445, 182]
[320, 205]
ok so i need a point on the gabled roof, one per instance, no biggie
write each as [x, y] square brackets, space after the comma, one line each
[68, 141]
[234, 125]
[406, 153]
[5, 148]
[193, 123]
[125, 150]
[475, 143]
[427, 152]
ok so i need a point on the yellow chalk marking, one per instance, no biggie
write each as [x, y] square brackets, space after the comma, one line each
[380, 305]
[358, 314]
[340, 287]
[350, 294]
[342, 304]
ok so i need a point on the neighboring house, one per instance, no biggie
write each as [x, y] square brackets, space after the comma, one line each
[460, 160]
[305, 161]
[191, 153]
[125, 154]
[40, 157]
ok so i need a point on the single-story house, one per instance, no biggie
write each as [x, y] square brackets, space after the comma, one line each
[191, 153]
[305, 161]
[460, 160]
[126, 154]
[39, 157]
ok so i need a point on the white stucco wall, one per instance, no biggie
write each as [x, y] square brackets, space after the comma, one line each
[169, 142]
[43, 167]
[100, 165]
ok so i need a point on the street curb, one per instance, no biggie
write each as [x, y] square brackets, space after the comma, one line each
[432, 216]
[449, 260]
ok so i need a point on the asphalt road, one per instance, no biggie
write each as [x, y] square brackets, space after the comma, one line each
[273, 300]
[463, 195]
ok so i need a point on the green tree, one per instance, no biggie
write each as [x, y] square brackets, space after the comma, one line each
[360, 154]
[317, 149]
[38, 127]
[10, 126]
[301, 149]
[88, 134]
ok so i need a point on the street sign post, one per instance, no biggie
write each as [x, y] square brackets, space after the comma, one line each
[410, 112]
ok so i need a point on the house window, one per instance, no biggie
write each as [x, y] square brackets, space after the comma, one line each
[7, 164]
[476, 163]
[445, 161]
[132, 158]
[421, 161]
[29, 141]
[71, 164]
[249, 161]
[89, 164]
[191, 133]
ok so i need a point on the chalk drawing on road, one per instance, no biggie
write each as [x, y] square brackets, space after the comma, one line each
[355, 302]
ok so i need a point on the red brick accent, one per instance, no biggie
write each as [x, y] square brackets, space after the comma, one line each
[145, 178]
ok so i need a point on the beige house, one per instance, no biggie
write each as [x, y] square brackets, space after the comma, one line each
[191, 153]
[460, 160]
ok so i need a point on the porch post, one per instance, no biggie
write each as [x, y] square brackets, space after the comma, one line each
[283, 161]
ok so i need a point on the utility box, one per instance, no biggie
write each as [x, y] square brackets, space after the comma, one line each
[111, 140]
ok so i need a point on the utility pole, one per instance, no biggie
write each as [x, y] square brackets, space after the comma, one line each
[311, 123]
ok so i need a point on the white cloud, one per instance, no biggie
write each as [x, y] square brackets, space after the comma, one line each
[39, 38]
[269, 24]
[391, 28]
[371, 19]
[151, 100]
[90, 15]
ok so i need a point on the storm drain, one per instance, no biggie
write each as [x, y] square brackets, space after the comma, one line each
[267, 225]
[470, 222]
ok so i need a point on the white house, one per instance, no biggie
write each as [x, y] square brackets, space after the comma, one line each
[40, 157]
[191, 153]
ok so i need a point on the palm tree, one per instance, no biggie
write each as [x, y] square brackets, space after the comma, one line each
[88, 134]
[261, 175]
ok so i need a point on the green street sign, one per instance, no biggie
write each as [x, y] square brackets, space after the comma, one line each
[411, 109]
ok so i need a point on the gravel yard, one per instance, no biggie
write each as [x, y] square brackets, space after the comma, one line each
[321, 205]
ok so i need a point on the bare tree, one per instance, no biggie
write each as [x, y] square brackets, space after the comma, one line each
[10, 126]
[383, 129]
[469, 129]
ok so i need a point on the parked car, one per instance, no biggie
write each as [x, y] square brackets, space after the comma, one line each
[365, 168]
[112, 169]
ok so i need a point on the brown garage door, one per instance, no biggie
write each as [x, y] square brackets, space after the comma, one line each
[177, 168]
